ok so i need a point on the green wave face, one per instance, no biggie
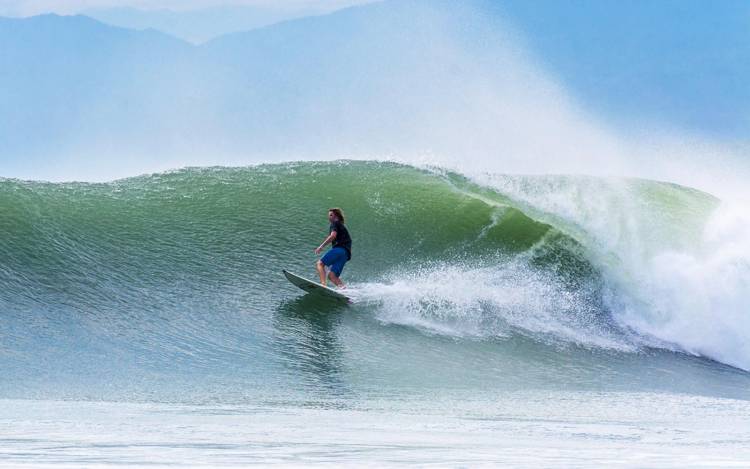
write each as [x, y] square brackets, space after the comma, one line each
[234, 229]
[148, 279]
[200, 224]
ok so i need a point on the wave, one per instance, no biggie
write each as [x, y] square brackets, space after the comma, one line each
[607, 263]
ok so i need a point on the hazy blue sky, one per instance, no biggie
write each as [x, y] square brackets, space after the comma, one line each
[35, 7]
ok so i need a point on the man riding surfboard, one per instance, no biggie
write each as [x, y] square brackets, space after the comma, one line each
[340, 252]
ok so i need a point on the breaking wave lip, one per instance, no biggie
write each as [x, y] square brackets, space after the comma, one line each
[600, 262]
[675, 261]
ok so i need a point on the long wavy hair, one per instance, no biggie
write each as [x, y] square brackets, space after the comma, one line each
[339, 213]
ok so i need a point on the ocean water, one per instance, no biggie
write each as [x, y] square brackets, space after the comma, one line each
[558, 321]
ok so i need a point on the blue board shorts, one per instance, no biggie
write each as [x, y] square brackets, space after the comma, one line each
[335, 259]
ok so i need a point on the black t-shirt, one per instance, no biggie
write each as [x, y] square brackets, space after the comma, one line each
[343, 240]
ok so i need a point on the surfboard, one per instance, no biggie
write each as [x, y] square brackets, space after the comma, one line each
[313, 287]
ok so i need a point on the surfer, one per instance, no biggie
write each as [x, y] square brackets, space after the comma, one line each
[340, 252]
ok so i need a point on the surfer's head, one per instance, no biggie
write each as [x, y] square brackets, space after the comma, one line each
[336, 213]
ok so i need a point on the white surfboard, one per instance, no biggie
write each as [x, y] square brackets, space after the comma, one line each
[313, 287]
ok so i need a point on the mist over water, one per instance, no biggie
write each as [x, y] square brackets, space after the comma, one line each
[416, 81]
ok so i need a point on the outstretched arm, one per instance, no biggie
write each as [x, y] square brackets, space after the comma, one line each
[329, 239]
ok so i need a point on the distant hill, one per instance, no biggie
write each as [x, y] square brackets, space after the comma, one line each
[372, 80]
[201, 25]
[71, 84]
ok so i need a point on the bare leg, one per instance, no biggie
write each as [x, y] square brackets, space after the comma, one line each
[322, 272]
[336, 281]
